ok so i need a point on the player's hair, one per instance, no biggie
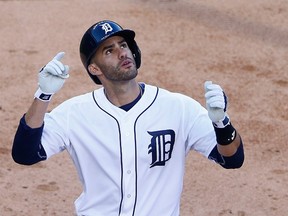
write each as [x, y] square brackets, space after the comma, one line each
[98, 33]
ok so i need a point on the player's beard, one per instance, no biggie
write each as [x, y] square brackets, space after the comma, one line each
[117, 73]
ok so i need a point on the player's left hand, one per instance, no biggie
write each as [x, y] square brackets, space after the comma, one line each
[216, 102]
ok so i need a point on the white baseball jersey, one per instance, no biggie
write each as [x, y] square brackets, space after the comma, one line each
[129, 163]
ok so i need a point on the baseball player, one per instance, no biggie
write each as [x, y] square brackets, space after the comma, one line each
[127, 139]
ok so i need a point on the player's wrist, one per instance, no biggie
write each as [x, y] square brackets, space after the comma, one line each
[225, 135]
[43, 96]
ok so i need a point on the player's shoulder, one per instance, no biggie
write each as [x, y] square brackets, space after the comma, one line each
[82, 99]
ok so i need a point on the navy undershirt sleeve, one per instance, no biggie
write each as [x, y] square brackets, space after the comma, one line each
[233, 162]
[27, 148]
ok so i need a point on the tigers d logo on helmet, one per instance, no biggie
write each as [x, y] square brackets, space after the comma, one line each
[106, 27]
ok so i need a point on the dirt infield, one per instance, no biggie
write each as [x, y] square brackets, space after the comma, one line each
[241, 45]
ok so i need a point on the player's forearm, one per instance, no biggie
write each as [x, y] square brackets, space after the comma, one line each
[230, 150]
[35, 115]
[50, 80]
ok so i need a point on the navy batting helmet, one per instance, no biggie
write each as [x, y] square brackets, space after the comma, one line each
[99, 32]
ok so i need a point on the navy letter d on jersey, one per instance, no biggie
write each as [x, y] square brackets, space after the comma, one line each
[161, 146]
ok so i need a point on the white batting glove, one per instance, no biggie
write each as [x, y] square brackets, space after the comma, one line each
[51, 78]
[216, 104]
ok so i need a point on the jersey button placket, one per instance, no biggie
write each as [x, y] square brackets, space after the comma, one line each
[126, 129]
[128, 151]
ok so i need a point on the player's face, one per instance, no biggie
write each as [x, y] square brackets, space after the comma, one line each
[115, 60]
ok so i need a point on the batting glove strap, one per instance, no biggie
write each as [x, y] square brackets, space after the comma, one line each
[222, 123]
[226, 135]
[43, 96]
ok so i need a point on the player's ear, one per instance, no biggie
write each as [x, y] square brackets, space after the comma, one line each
[94, 69]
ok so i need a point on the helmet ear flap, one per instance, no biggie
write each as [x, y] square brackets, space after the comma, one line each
[136, 53]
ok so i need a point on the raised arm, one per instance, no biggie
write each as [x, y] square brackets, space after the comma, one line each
[230, 147]
[50, 80]
[27, 148]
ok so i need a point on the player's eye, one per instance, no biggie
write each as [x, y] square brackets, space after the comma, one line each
[108, 51]
[124, 45]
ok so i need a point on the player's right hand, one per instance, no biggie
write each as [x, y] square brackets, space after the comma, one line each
[53, 75]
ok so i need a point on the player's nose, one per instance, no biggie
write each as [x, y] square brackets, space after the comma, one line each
[122, 53]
